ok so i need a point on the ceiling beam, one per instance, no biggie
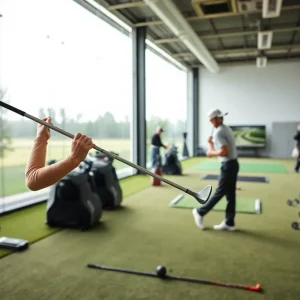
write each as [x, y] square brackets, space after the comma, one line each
[238, 50]
[249, 63]
[228, 34]
[223, 15]
[126, 5]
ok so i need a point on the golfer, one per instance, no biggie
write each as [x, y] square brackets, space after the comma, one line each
[39, 176]
[221, 145]
[155, 145]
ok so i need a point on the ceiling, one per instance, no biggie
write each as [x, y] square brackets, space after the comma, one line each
[229, 29]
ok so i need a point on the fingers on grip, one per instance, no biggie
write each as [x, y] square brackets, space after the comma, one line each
[84, 141]
[77, 136]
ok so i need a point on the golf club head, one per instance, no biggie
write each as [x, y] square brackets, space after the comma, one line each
[203, 195]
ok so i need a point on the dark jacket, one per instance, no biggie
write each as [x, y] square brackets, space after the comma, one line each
[156, 141]
[297, 138]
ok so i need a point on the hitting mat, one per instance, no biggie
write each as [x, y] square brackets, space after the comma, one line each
[243, 205]
[214, 165]
[240, 178]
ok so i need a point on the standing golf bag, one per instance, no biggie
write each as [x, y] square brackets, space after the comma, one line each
[73, 201]
[172, 165]
[158, 171]
[107, 183]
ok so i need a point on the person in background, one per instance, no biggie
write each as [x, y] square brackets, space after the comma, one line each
[297, 138]
[155, 145]
[39, 176]
[221, 145]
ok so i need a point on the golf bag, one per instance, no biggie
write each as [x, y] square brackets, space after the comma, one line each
[107, 184]
[73, 201]
[172, 165]
[158, 171]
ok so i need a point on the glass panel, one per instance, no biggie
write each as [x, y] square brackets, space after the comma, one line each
[166, 102]
[59, 60]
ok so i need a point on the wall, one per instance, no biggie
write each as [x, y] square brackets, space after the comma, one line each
[251, 96]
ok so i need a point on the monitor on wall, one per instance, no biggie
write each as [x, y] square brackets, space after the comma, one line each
[249, 136]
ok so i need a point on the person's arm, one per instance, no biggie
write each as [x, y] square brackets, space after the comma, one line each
[224, 148]
[39, 176]
[160, 143]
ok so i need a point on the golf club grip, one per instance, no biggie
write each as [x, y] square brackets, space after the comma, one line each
[12, 108]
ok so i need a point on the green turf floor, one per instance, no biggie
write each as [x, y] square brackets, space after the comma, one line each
[29, 224]
[146, 232]
[257, 167]
[243, 205]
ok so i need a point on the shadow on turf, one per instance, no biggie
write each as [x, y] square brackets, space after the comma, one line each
[261, 237]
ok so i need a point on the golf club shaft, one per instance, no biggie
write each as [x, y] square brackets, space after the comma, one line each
[106, 268]
[110, 154]
[24, 114]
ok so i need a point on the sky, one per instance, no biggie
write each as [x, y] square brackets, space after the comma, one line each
[54, 53]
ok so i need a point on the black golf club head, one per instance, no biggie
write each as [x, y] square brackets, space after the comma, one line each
[203, 195]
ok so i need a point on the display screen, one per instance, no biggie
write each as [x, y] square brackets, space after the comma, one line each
[249, 136]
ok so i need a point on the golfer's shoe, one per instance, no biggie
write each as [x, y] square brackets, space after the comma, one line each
[198, 219]
[224, 226]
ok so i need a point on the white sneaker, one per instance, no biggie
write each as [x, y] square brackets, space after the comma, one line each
[198, 219]
[223, 226]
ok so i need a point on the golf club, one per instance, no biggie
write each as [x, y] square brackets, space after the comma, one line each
[201, 196]
[253, 288]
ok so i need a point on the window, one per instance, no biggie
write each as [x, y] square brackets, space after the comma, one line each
[166, 106]
[59, 60]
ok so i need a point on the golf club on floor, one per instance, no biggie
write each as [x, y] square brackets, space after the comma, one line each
[163, 275]
[201, 196]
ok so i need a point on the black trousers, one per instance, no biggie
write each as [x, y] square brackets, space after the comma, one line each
[226, 187]
[298, 160]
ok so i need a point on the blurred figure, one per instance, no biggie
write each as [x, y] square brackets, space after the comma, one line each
[155, 145]
[297, 138]
[39, 176]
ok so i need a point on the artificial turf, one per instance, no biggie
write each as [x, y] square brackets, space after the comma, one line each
[253, 166]
[29, 223]
[147, 232]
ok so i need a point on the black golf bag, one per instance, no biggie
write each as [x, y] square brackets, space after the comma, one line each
[106, 180]
[73, 201]
[172, 165]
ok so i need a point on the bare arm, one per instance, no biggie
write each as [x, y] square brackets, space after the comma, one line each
[39, 176]
[223, 151]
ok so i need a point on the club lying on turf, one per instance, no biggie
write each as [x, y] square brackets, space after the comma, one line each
[201, 196]
[253, 288]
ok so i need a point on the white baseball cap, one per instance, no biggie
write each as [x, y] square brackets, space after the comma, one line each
[215, 113]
